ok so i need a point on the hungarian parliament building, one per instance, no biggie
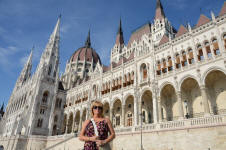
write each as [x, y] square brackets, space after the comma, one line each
[163, 90]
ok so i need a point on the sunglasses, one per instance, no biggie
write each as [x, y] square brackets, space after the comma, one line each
[97, 107]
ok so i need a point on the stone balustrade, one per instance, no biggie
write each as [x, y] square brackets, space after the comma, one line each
[208, 121]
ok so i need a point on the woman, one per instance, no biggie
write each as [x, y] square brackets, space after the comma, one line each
[103, 126]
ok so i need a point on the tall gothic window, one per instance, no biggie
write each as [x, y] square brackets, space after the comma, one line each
[45, 97]
[208, 51]
[184, 59]
[178, 64]
[144, 71]
[50, 69]
[215, 47]
[39, 124]
[158, 68]
[170, 64]
[164, 68]
[200, 53]
[190, 56]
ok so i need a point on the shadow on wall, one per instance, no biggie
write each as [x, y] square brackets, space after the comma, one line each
[55, 145]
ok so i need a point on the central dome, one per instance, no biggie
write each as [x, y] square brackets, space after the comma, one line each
[86, 53]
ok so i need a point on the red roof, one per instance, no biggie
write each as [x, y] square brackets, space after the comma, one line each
[136, 36]
[223, 10]
[87, 53]
[164, 39]
[182, 30]
[202, 20]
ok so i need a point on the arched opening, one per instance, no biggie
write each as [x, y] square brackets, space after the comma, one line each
[190, 56]
[164, 67]
[147, 107]
[117, 113]
[192, 98]
[184, 59]
[216, 88]
[215, 47]
[55, 118]
[129, 111]
[106, 110]
[170, 64]
[77, 119]
[169, 106]
[84, 115]
[178, 64]
[200, 53]
[158, 68]
[64, 124]
[208, 51]
[143, 70]
[54, 132]
[70, 121]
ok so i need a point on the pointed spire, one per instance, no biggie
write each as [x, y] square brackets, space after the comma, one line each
[223, 10]
[119, 38]
[159, 12]
[202, 20]
[56, 31]
[88, 41]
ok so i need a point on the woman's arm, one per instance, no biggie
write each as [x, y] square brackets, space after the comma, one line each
[112, 132]
[82, 137]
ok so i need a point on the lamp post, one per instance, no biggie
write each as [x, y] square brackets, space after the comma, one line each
[141, 136]
[186, 107]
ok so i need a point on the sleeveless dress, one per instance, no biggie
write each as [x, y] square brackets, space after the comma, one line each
[103, 130]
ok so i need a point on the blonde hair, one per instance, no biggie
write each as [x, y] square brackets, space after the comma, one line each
[94, 103]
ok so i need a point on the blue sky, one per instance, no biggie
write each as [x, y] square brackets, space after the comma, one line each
[24, 23]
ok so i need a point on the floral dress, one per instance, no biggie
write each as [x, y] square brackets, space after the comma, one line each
[103, 130]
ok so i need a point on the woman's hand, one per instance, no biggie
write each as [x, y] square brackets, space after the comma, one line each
[100, 142]
[94, 138]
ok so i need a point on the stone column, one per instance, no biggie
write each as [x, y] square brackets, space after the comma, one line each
[212, 51]
[111, 114]
[160, 109]
[73, 123]
[155, 108]
[180, 106]
[140, 112]
[80, 123]
[135, 107]
[204, 53]
[123, 115]
[205, 100]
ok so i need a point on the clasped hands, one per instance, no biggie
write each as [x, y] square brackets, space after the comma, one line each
[96, 139]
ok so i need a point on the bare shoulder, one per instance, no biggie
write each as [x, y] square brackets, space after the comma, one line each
[107, 120]
[86, 122]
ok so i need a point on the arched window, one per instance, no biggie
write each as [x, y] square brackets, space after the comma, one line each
[132, 78]
[215, 47]
[129, 119]
[170, 64]
[45, 97]
[190, 56]
[184, 59]
[200, 53]
[178, 64]
[164, 68]
[144, 71]
[208, 51]
[158, 68]
[50, 69]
